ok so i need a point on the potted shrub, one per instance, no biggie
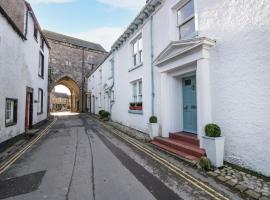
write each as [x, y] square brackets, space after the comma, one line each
[105, 116]
[213, 143]
[100, 113]
[139, 106]
[153, 127]
[131, 106]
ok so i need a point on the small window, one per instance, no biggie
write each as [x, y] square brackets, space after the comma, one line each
[42, 43]
[11, 112]
[187, 82]
[137, 91]
[137, 51]
[41, 65]
[186, 20]
[35, 32]
[40, 101]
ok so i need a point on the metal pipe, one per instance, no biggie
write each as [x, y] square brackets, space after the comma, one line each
[152, 68]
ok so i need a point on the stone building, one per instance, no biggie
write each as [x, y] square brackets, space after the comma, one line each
[71, 61]
[59, 101]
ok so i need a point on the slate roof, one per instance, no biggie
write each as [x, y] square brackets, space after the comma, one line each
[74, 41]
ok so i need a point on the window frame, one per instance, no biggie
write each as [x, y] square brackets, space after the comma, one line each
[185, 21]
[137, 51]
[41, 56]
[14, 113]
[42, 43]
[137, 97]
[35, 34]
[40, 101]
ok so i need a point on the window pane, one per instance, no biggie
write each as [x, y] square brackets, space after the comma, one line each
[185, 12]
[187, 29]
[135, 47]
[140, 44]
[140, 87]
[134, 85]
[135, 59]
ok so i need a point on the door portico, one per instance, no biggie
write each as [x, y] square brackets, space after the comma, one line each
[179, 60]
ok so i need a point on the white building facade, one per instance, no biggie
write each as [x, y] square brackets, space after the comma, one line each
[23, 73]
[190, 63]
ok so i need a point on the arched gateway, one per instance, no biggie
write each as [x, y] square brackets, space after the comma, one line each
[71, 61]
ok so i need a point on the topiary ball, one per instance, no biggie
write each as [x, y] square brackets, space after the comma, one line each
[153, 119]
[212, 130]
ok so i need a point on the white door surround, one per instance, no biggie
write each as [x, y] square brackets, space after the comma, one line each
[180, 59]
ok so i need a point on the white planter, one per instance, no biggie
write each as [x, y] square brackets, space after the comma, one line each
[214, 147]
[153, 130]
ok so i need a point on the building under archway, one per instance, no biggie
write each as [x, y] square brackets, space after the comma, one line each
[74, 92]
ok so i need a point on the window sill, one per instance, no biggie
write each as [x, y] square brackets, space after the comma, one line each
[136, 112]
[135, 67]
[11, 124]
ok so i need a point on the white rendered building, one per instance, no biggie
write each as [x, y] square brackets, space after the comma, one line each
[190, 63]
[24, 55]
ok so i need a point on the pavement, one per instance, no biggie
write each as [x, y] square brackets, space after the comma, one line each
[79, 159]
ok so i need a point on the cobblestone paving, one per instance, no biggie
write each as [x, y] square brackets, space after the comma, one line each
[252, 186]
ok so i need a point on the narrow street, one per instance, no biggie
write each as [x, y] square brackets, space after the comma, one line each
[79, 160]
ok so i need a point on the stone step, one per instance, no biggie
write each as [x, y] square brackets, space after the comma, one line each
[184, 147]
[185, 137]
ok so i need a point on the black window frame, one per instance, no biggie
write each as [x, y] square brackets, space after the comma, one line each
[35, 32]
[40, 103]
[41, 56]
[15, 112]
[42, 43]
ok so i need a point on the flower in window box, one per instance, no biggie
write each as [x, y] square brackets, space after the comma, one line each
[139, 106]
[132, 106]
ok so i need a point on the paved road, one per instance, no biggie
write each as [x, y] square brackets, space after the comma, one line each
[79, 160]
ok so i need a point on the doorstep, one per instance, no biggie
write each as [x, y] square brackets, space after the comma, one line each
[183, 145]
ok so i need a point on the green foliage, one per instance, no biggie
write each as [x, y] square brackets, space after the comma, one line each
[101, 111]
[205, 163]
[105, 114]
[212, 130]
[132, 104]
[139, 104]
[153, 119]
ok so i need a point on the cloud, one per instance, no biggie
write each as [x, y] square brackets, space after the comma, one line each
[127, 4]
[105, 36]
[48, 1]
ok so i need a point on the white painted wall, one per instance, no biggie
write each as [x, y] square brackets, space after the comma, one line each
[238, 69]
[240, 77]
[18, 69]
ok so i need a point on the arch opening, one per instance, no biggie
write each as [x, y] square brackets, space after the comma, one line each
[64, 96]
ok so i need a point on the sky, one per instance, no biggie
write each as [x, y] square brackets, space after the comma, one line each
[62, 89]
[99, 21]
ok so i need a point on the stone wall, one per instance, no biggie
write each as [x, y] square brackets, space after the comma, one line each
[68, 60]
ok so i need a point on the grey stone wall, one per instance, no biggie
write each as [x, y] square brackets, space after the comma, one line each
[67, 60]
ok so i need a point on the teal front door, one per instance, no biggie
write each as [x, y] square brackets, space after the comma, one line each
[189, 104]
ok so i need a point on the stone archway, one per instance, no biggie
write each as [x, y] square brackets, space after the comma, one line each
[74, 90]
